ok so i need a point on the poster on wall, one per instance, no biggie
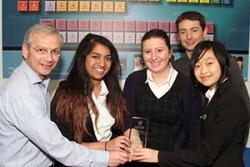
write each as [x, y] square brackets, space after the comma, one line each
[121, 25]
[242, 61]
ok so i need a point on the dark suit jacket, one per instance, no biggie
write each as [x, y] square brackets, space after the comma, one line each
[223, 134]
[183, 65]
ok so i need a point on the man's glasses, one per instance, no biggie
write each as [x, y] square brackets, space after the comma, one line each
[42, 51]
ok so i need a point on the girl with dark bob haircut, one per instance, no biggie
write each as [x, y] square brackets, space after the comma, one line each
[219, 52]
[224, 120]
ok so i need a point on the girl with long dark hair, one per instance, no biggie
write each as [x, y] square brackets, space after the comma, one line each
[89, 106]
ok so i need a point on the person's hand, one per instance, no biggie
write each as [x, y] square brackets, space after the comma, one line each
[145, 155]
[136, 142]
[117, 158]
[120, 143]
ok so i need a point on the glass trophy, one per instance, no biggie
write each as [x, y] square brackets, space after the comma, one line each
[141, 125]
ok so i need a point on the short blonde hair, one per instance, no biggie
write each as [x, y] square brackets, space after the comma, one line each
[46, 29]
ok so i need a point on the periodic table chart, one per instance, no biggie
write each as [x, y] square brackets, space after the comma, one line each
[123, 22]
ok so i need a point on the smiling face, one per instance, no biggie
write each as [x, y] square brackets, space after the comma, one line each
[156, 54]
[98, 62]
[190, 34]
[43, 53]
[207, 70]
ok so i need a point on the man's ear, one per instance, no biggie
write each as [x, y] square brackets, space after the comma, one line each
[25, 50]
[205, 33]
[178, 36]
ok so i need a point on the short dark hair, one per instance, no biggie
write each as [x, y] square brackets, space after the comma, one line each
[220, 54]
[158, 33]
[238, 58]
[191, 15]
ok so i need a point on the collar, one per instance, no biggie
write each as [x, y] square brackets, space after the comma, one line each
[104, 89]
[102, 96]
[172, 73]
[33, 77]
[210, 93]
[185, 56]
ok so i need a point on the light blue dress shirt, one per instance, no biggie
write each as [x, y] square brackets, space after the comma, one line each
[27, 136]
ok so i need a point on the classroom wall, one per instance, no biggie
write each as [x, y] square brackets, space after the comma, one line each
[54, 83]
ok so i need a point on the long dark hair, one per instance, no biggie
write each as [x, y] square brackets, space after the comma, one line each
[74, 100]
[221, 55]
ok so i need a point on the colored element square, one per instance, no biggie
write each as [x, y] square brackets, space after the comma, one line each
[118, 25]
[118, 37]
[226, 2]
[72, 37]
[61, 24]
[141, 26]
[50, 6]
[107, 25]
[61, 6]
[210, 28]
[154, 0]
[129, 25]
[83, 25]
[193, 1]
[129, 37]
[171, 0]
[215, 2]
[182, 1]
[152, 25]
[108, 35]
[73, 6]
[95, 25]
[164, 25]
[108, 6]
[22, 6]
[72, 24]
[120, 6]
[84, 6]
[205, 1]
[50, 22]
[34, 6]
[96, 6]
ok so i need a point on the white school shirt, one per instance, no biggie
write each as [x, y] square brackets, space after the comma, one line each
[160, 90]
[105, 120]
[210, 93]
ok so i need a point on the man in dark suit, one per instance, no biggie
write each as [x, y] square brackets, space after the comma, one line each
[191, 29]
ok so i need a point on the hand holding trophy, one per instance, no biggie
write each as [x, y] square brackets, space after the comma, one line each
[138, 132]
